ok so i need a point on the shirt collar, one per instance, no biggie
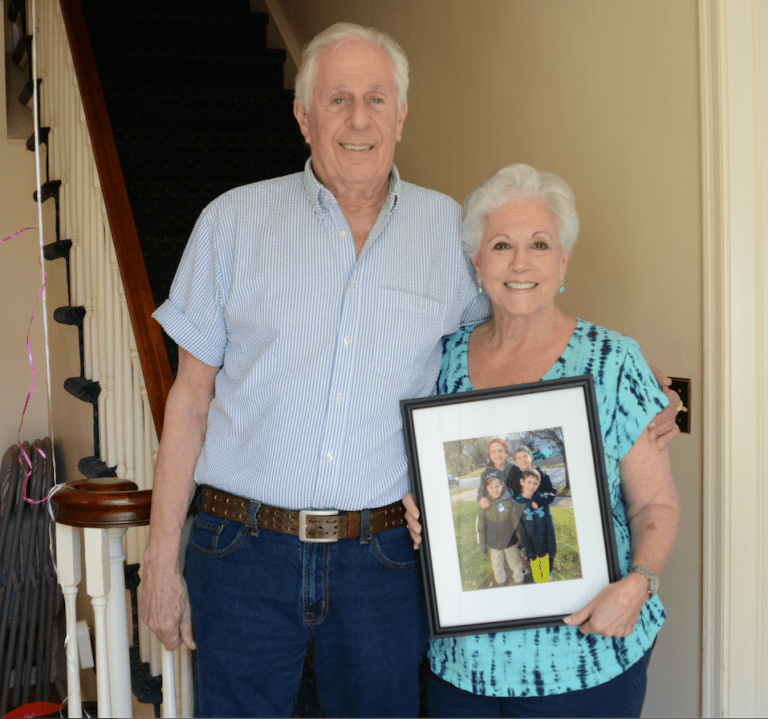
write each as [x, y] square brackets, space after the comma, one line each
[319, 194]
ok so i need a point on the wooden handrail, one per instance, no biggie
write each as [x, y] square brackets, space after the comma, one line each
[149, 337]
[101, 503]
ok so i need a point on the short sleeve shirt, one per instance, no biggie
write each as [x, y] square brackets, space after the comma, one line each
[316, 344]
[555, 660]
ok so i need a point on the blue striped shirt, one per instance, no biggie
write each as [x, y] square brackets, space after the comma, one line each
[317, 345]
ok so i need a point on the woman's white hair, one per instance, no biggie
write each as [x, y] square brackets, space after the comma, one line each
[519, 181]
[338, 33]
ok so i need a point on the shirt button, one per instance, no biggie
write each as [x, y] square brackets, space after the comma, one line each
[347, 341]
[351, 285]
[343, 233]
[329, 456]
[339, 398]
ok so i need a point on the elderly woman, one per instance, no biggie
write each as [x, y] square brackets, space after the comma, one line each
[519, 229]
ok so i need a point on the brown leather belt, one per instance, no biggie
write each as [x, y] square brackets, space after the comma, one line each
[309, 525]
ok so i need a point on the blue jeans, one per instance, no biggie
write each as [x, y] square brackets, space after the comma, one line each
[259, 597]
[622, 696]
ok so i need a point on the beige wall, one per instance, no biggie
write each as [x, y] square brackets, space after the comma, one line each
[20, 282]
[604, 93]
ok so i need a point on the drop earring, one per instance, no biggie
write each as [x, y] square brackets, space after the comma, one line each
[562, 287]
[479, 288]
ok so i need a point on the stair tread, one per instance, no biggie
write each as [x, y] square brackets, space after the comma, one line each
[246, 55]
[242, 72]
[205, 140]
[145, 10]
[242, 33]
[201, 8]
[177, 190]
[195, 92]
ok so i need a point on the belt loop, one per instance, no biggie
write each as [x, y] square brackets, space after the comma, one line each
[365, 526]
[253, 519]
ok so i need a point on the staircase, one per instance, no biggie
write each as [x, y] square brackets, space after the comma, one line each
[193, 102]
[197, 107]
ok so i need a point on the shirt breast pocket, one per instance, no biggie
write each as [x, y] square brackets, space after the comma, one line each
[409, 332]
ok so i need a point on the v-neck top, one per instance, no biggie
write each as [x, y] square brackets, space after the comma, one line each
[554, 660]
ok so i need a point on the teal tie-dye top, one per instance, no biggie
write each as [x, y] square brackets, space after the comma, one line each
[554, 660]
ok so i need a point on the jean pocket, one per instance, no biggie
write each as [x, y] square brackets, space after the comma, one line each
[215, 537]
[394, 549]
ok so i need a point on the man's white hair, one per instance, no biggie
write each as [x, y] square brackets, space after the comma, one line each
[341, 32]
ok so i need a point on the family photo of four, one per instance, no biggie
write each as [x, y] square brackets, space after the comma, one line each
[516, 528]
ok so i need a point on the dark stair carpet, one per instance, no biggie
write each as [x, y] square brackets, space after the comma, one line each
[197, 106]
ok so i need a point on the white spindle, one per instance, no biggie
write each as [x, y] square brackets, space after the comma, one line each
[97, 576]
[170, 708]
[117, 630]
[101, 321]
[88, 302]
[68, 571]
[92, 308]
[117, 364]
[126, 401]
[108, 388]
[187, 690]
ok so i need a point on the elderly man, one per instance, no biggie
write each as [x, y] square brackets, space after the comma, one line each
[305, 308]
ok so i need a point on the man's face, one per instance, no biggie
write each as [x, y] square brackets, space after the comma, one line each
[354, 122]
[494, 488]
[529, 485]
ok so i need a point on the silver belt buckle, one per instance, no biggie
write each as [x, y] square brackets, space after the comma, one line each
[317, 513]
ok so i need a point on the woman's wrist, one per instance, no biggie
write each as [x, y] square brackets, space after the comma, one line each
[638, 584]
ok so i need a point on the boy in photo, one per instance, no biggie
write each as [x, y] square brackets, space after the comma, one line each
[497, 530]
[536, 528]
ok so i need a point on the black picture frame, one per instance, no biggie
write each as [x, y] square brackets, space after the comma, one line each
[438, 430]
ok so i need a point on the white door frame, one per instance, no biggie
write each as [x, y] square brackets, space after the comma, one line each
[734, 87]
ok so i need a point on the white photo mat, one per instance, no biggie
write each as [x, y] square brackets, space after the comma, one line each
[429, 423]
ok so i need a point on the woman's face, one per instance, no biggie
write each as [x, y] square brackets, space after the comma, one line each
[497, 455]
[520, 262]
[523, 460]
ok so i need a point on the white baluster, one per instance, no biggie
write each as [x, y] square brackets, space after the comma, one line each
[187, 690]
[108, 387]
[68, 572]
[101, 324]
[169, 685]
[117, 629]
[126, 397]
[117, 364]
[97, 576]
[155, 661]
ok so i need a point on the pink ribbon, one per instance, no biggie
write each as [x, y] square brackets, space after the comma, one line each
[24, 456]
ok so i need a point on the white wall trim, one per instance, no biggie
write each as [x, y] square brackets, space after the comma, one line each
[734, 76]
[285, 28]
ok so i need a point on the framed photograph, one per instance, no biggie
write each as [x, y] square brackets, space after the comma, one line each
[517, 530]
